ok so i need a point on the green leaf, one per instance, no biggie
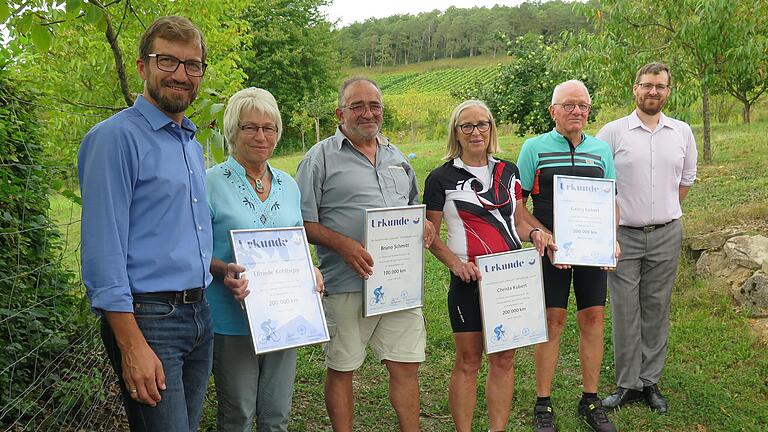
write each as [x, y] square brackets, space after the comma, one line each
[5, 11]
[25, 23]
[215, 108]
[93, 14]
[72, 196]
[74, 7]
[41, 37]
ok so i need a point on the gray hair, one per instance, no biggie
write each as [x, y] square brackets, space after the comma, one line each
[559, 87]
[252, 98]
[349, 82]
[453, 147]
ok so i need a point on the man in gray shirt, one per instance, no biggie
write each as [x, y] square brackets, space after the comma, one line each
[655, 159]
[340, 177]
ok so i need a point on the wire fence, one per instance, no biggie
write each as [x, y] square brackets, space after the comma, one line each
[54, 374]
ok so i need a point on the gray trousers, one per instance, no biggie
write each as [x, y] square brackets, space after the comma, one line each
[641, 290]
[249, 386]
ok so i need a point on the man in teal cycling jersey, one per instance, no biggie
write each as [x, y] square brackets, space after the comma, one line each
[567, 150]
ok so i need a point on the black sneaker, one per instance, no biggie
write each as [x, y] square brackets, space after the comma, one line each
[594, 415]
[544, 419]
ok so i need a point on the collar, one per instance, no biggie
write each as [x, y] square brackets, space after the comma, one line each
[559, 137]
[158, 119]
[458, 163]
[633, 121]
[339, 138]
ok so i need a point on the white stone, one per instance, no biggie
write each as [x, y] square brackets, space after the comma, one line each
[747, 251]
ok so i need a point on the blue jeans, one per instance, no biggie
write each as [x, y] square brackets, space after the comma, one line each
[182, 338]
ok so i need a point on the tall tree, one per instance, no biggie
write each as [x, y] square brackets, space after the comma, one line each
[292, 53]
[701, 39]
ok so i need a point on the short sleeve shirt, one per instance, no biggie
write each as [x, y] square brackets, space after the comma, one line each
[546, 155]
[233, 204]
[479, 217]
[338, 183]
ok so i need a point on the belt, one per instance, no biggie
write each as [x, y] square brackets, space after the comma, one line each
[192, 295]
[649, 228]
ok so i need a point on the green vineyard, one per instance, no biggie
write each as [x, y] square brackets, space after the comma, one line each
[436, 81]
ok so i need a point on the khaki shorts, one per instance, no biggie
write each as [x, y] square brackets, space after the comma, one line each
[397, 336]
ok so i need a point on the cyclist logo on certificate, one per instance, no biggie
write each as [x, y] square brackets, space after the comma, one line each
[378, 294]
[270, 333]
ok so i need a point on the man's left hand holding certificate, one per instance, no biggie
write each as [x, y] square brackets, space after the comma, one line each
[278, 288]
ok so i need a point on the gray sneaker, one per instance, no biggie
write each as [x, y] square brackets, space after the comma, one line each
[544, 419]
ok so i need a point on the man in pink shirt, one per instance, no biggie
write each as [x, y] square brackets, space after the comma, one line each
[655, 158]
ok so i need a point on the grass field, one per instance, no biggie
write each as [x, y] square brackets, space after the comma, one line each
[715, 377]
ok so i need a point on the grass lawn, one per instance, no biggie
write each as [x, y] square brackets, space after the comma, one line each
[715, 377]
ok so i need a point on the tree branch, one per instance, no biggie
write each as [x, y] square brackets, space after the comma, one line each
[651, 24]
[117, 53]
[87, 105]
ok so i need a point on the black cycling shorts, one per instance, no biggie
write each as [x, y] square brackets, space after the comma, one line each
[464, 306]
[589, 285]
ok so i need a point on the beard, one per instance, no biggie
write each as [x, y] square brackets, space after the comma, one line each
[650, 108]
[174, 104]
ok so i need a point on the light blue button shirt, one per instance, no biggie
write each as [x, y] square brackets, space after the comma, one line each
[235, 205]
[145, 221]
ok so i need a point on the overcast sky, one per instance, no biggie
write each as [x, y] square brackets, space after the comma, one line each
[349, 11]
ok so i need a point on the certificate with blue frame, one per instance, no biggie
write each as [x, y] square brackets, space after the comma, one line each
[512, 300]
[584, 221]
[394, 237]
[284, 310]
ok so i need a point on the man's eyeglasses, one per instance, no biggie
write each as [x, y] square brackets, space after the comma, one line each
[251, 129]
[468, 128]
[169, 63]
[359, 109]
[568, 107]
[477, 186]
[658, 87]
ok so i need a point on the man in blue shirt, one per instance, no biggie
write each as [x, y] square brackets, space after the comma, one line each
[146, 235]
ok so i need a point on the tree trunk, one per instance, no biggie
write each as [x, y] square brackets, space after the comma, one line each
[317, 129]
[707, 126]
[117, 53]
[745, 112]
[303, 147]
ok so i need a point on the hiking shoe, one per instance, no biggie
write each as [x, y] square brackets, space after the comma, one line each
[594, 415]
[544, 419]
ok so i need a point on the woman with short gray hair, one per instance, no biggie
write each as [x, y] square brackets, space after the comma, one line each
[246, 192]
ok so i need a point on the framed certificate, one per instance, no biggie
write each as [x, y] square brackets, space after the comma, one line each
[584, 221]
[394, 237]
[284, 309]
[512, 300]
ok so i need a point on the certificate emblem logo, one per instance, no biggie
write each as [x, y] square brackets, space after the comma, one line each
[378, 294]
[269, 334]
[416, 220]
[532, 261]
[499, 333]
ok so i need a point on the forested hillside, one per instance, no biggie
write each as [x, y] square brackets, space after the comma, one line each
[453, 33]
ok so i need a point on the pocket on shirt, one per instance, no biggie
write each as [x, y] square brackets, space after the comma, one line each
[400, 180]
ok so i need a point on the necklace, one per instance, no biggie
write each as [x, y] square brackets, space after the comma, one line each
[258, 184]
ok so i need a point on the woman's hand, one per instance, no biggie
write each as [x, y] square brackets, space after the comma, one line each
[542, 240]
[237, 285]
[466, 271]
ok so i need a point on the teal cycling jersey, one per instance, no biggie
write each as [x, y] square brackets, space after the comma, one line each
[551, 153]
